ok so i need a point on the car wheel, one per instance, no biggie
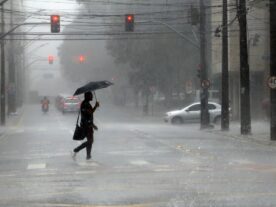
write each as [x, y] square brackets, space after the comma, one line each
[177, 120]
[217, 120]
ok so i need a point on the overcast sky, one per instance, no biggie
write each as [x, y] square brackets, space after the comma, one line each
[38, 51]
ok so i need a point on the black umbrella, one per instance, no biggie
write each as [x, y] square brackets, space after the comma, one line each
[92, 86]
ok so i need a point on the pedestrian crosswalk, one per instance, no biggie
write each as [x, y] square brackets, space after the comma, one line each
[36, 166]
[92, 166]
[20, 130]
[63, 165]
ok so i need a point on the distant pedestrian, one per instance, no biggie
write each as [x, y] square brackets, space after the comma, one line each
[45, 104]
[88, 125]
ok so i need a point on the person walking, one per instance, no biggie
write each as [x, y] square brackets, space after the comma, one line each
[45, 104]
[87, 122]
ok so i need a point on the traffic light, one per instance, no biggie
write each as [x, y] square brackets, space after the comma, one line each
[81, 58]
[51, 59]
[198, 74]
[129, 22]
[55, 23]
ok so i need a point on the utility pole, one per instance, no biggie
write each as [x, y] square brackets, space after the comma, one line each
[12, 79]
[244, 71]
[273, 68]
[3, 72]
[224, 68]
[204, 115]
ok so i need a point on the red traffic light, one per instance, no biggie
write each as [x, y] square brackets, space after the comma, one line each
[129, 22]
[81, 58]
[55, 23]
[55, 18]
[129, 18]
[51, 59]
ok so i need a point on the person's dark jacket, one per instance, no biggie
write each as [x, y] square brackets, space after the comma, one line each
[87, 114]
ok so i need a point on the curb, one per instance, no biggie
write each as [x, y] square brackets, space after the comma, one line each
[248, 138]
[12, 120]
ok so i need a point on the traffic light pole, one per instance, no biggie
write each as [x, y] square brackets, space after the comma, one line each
[12, 82]
[244, 71]
[204, 117]
[272, 68]
[224, 74]
[3, 72]
[3, 69]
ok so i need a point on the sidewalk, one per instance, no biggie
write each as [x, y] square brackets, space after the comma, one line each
[11, 120]
[260, 132]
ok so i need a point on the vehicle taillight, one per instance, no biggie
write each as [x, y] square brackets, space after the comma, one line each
[64, 105]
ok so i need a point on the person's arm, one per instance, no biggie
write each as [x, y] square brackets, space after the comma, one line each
[91, 109]
[95, 107]
[95, 127]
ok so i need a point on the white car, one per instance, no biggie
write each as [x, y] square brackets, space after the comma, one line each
[191, 113]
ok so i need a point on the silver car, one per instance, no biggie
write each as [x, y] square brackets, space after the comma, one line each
[67, 103]
[191, 113]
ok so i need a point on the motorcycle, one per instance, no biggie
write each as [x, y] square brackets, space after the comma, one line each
[45, 108]
[45, 105]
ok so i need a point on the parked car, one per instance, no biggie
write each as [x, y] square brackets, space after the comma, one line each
[191, 113]
[67, 103]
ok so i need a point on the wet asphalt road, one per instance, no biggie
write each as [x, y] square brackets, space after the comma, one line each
[136, 163]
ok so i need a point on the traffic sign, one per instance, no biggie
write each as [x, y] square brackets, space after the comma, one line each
[205, 84]
[271, 82]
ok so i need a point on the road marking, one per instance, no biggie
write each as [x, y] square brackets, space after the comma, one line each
[139, 162]
[164, 170]
[88, 163]
[85, 172]
[19, 131]
[41, 129]
[36, 166]
[84, 205]
[45, 174]
[7, 175]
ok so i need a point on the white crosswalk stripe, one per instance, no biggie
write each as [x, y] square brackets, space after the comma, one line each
[36, 166]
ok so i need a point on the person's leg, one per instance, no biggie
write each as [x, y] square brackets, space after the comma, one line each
[90, 140]
[80, 147]
[83, 145]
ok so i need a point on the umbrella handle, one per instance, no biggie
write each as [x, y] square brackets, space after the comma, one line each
[95, 95]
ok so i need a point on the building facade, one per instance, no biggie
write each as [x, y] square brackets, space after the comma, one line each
[258, 52]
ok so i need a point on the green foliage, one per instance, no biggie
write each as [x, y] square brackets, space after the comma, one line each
[165, 62]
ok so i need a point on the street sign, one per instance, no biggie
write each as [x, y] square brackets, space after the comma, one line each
[205, 84]
[271, 82]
